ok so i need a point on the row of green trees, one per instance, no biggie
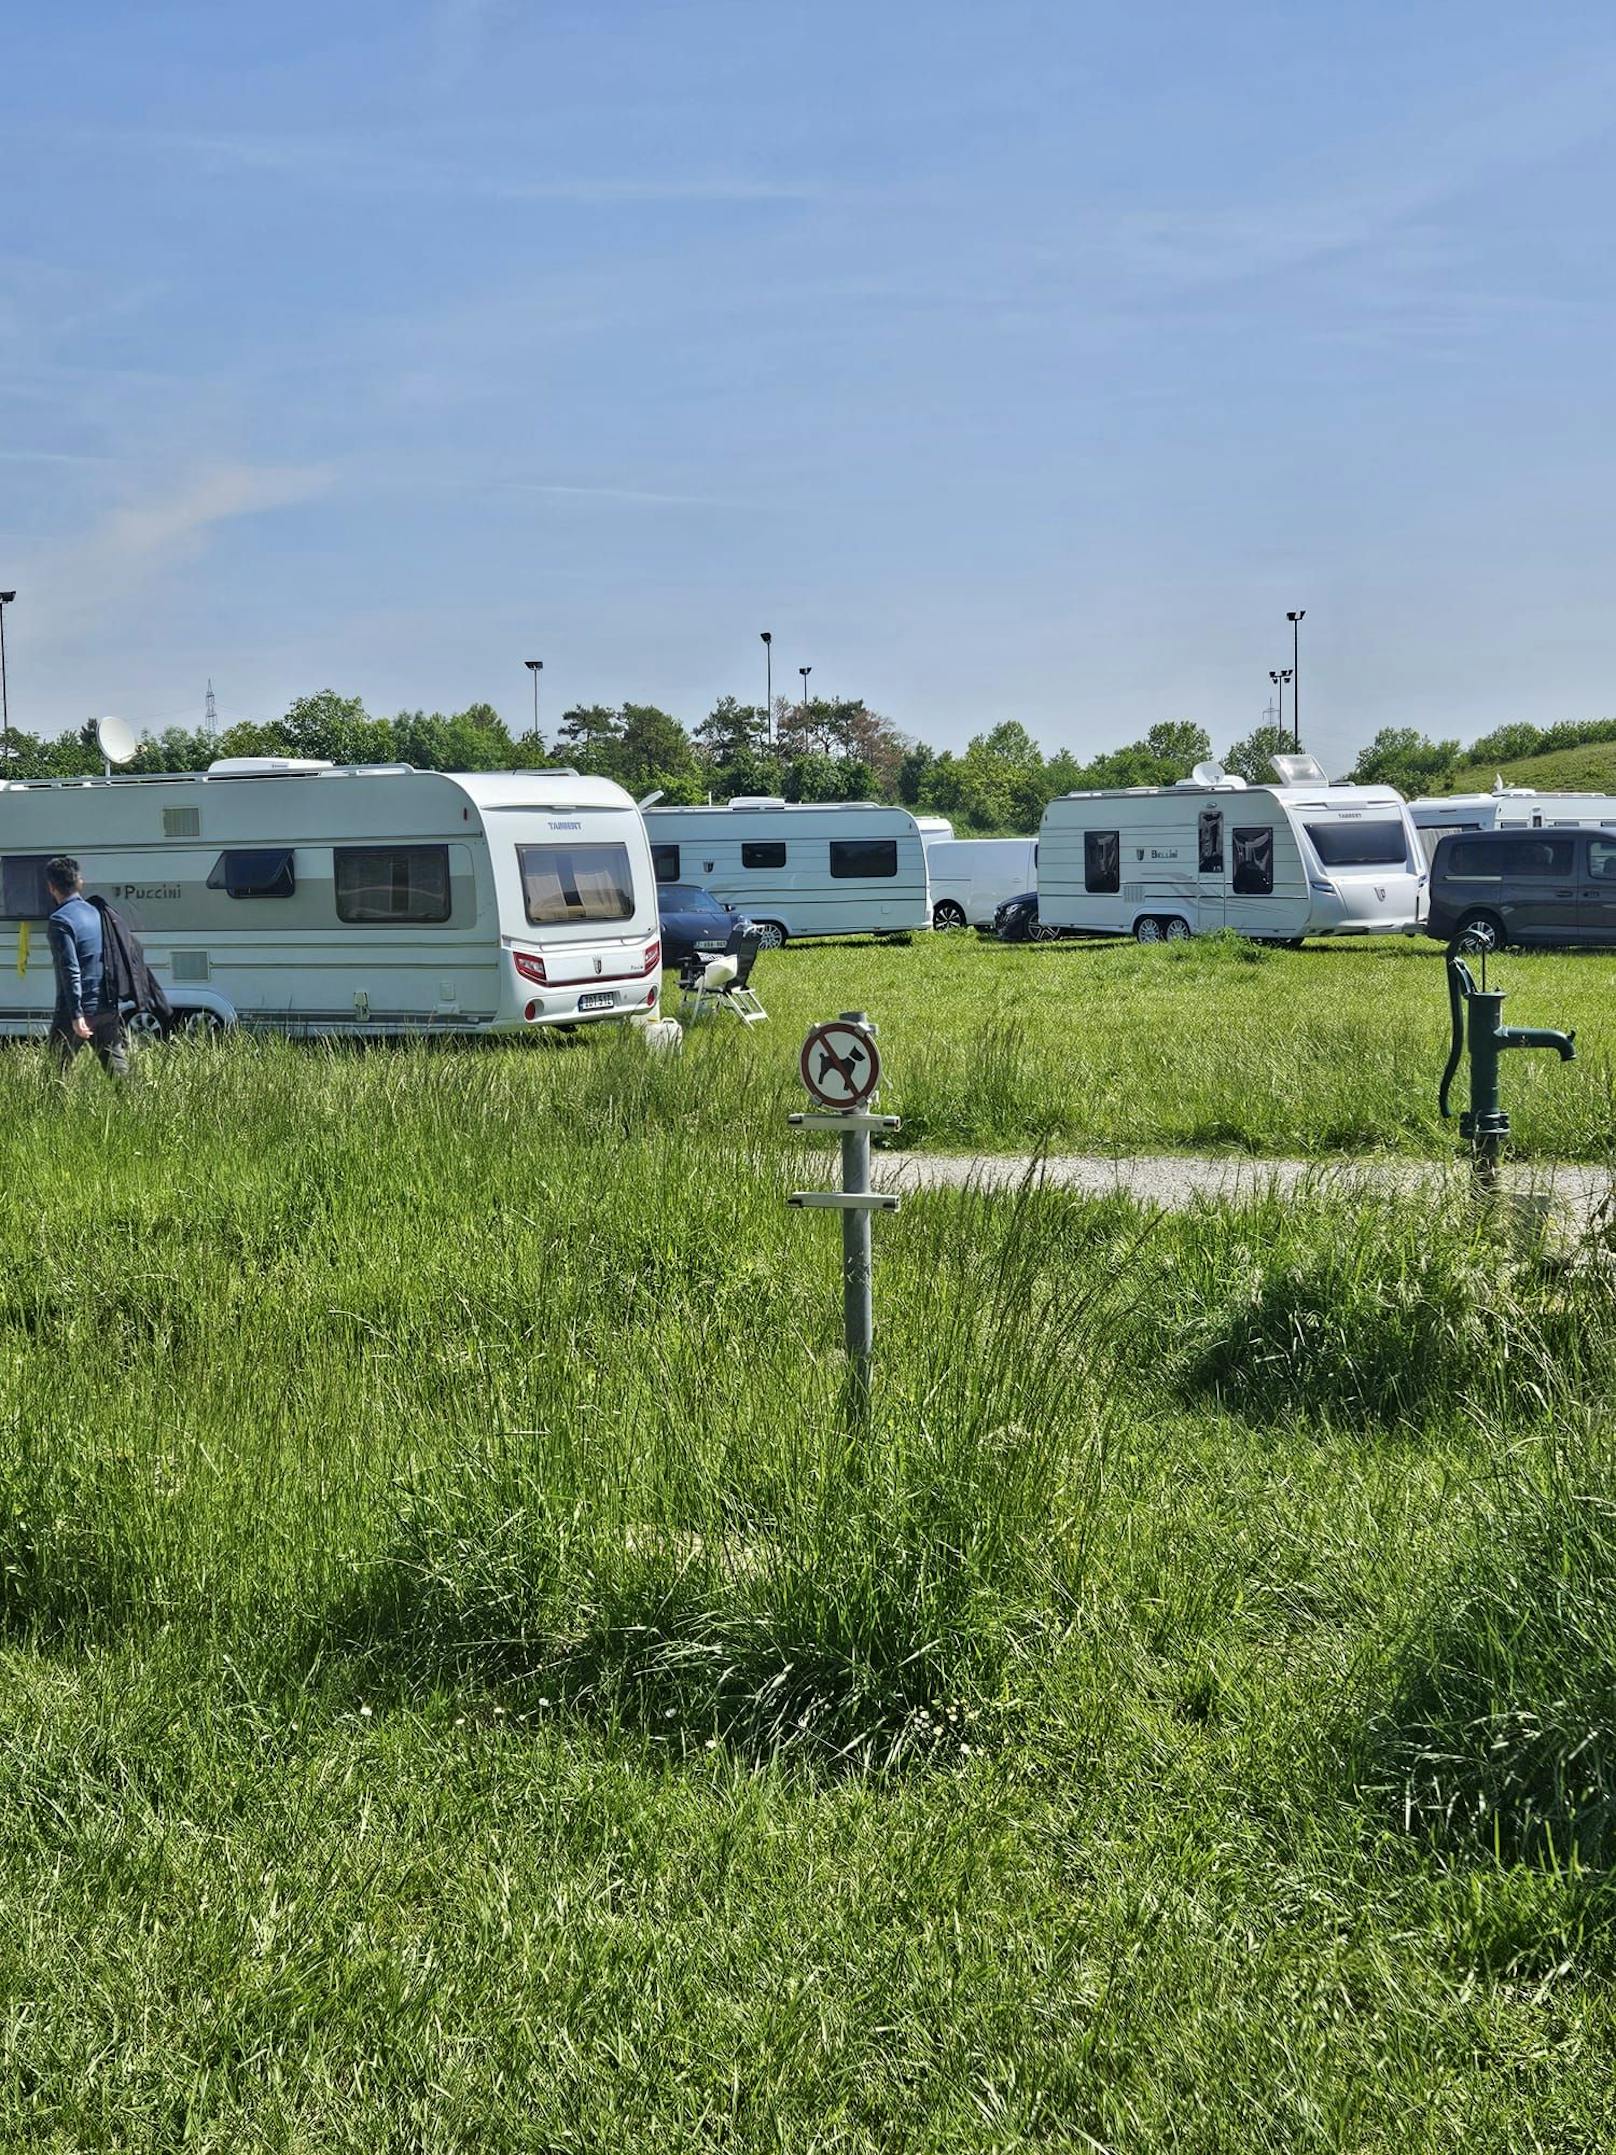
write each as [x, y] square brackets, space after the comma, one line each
[1402, 757]
[829, 750]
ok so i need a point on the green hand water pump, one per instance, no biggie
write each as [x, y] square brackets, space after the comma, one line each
[1484, 1124]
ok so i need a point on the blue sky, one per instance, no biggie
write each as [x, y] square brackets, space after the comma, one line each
[1006, 361]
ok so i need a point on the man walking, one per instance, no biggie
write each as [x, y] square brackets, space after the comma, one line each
[75, 935]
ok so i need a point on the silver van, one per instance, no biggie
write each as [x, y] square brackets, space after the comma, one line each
[1489, 888]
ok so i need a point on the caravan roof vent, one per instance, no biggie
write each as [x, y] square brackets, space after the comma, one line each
[1299, 770]
[1207, 774]
[758, 800]
[266, 766]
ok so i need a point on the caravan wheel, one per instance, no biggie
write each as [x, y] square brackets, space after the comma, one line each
[198, 1024]
[1148, 930]
[142, 1027]
[1178, 931]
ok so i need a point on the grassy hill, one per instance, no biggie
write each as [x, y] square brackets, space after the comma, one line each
[1590, 768]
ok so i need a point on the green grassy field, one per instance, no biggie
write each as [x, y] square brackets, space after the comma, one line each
[1214, 1045]
[461, 1689]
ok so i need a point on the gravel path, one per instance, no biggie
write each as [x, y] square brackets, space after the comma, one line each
[1176, 1180]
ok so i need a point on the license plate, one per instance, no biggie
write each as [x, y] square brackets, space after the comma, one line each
[603, 999]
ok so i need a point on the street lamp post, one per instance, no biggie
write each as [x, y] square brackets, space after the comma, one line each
[6, 598]
[768, 687]
[1296, 618]
[1279, 678]
[535, 667]
[805, 671]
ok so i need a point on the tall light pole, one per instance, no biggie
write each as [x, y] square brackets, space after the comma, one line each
[6, 598]
[805, 671]
[768, 687]
[535, 667]
[1296, 618]
[1279, 679]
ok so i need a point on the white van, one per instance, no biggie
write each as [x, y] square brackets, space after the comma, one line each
[809, 868]
[972, 877]
[1274, 862]
[1508, 808]
[315, 898]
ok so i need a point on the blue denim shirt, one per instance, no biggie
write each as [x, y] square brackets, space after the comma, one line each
[75, 940]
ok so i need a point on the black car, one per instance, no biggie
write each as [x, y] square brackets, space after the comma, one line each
[693, 919]
[1016, 921]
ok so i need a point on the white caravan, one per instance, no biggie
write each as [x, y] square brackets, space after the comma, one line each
[313, 898]
[1508, 808]
[809, 868]
[1273, 862]
[972, 877]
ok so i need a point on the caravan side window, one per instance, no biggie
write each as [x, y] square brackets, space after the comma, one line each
[764, 853]
[392, 886]
[852, 859]
[1102, 861]
[665, 862]
[1211, 841]
[22, 887]
[256, 873]
[1254, 862]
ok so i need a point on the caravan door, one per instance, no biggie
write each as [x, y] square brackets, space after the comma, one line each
[1210, 882]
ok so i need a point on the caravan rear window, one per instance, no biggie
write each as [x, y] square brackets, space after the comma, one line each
[1253, 863]
[1359, 845]
[854, 858]
[562, 883]
[392, 886]
[22, 887]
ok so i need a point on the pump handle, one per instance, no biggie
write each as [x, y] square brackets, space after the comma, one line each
[1461, 985]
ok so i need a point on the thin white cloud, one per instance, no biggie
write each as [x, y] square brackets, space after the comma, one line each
[1399, 185]
[137, 542]
[51, 456]
[382, 166]
[154, 531]
[616, 493]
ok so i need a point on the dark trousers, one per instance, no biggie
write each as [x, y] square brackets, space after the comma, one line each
[106, 1037]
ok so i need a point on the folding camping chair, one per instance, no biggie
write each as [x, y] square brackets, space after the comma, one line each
[709, 983]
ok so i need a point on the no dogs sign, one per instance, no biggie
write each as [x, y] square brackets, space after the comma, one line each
[840, 1065]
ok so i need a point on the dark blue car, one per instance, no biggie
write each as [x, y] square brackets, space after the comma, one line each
[693, 919]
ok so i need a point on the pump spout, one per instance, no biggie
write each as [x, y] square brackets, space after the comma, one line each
[1537, 1036]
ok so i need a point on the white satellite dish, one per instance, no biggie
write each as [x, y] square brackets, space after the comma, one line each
[1209, 774]
[115, 741]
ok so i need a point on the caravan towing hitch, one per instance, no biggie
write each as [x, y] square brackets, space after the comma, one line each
[1484, 1125]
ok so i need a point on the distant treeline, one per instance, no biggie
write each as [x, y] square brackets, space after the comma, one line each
[1399, 756]
[824, 750]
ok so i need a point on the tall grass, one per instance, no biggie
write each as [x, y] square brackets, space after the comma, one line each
[460, 1685]
[1214, 1044]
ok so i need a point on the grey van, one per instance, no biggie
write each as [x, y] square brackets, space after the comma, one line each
[1489, 888]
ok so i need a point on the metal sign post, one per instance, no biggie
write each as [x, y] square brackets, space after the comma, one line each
[841, 1068]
